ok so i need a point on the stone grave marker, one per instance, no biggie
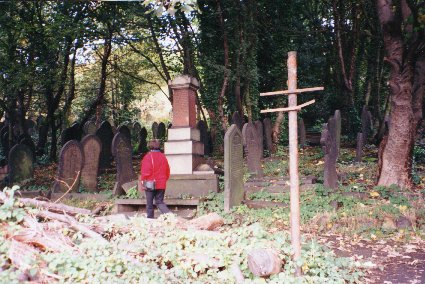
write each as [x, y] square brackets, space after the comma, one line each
[92, 146]
[268, 134]
[124, 130]
[337, 117]
[162, 131]
[71, 160]
[71, 133]
[135, 132]
[90, 127]
[155, 130]
[42, 138]
[252, 150]
[238, 120]
[366, 124]
[21, 164]
[29, 143]
[105, 134]
[121, 150]
[359, 148]
[143, 144]
[328, 142]
[302, 133]
[203, 129]
[259, 126]
[233, 168]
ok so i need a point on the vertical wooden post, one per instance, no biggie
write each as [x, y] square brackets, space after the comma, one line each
[293, 160]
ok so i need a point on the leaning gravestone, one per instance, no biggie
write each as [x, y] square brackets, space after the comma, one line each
[124, 130]
[105, 134]
[162, 131]
[259, 126]
[268, 134]
[90, 127]
[337, 117]
[359, 148]
[252, 150]
[21, 164]
[155, 130]
[71, 162]
[203, 131]
[238, 120]
[91, 148]
[233, 168]
[143, 144]
[328, 142]
[121, 150]
[302, 133]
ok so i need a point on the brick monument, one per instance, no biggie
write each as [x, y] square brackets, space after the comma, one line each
[184, 149]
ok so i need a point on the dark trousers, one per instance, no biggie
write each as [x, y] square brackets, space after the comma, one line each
[158, 195]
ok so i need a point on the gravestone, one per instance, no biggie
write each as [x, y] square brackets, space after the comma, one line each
[155, 130]
[238, 120]
[21, 164]
[90, 127]
[71, 133]
[259, 126]
[124, 130]
[302, 133]
[42, 138]
[92, 146]
[366, 124]
[135, 132]
[328, 142]
[29, 143]
[252, 149]
[143, 144]
[359, 148]
[71, 160]
[121, 150]
[233, 168]
[105, 134]
[162, 131]
[203, 130]
[268, 134]
[337, 117]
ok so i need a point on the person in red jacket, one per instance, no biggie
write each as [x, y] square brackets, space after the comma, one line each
[154, 167]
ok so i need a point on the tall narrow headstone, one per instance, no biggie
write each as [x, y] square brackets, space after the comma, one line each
[238, 120]
[105, 134]
[337, 117]
[328, 142]
[135, 132]
[71, 160]
[302, 133]
[359, 148]
[259, 126]
[366, 124]
[268, 134]
[233, 168]
[42, 138]
[21, 164]
[121, 150]
[143, 144]
[162, 131]
[155, 130]
[203, 129]
[124, 130]
[91, 148]
[252, 150]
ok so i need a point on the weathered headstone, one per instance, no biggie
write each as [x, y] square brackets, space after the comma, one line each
[124, 130]
[71, 133]
[302, 133]
[155, 130]
[121, 150]
[359, 148]
[29, 143]
[143, 144]
[268, 134]
[203, 129]
[90, 128]
[252, 149]
[42, 138]
[135, 132]
[92, 146]
[105, 134]
[238, 120]
[328, 142]
[162, 131]
[21, 164]
[337, 117]
[233, 168]
[259, 126]
[71, 160]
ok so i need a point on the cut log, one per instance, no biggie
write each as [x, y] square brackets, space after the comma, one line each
[208, 222]
[53, 207]
[264, 262]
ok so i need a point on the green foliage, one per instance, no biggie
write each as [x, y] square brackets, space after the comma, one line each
[133, 193]
[8, 211]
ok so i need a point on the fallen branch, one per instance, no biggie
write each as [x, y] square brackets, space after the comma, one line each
[69, 187]
[54, 207]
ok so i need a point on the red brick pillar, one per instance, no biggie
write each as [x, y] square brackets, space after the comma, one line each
[184, 101]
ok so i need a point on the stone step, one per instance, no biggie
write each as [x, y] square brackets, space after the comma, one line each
[134, 205]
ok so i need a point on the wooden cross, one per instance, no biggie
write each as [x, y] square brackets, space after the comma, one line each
[293, 148]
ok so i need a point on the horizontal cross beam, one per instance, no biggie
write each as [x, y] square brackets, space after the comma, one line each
[296, 91]
[286, 109]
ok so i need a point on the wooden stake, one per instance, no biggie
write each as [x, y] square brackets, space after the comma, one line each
[296, 108]
[293, 160]
[296, 91]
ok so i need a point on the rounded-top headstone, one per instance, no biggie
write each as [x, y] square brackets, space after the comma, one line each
[124, 130]
[155, 130]
[143, 133]
[162, 131]
[21, 164]
[105, 134]
[92, 146]
[121, 149]
[71, 160]
[136, 129]
[90, 127]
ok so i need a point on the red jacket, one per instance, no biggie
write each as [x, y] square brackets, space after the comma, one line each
[159, 170]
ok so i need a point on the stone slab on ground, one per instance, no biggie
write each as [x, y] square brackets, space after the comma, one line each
[191, 185]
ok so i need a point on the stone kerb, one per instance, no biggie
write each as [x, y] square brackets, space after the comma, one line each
[233, 168]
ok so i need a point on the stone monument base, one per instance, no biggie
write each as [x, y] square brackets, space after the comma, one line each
[193, 185]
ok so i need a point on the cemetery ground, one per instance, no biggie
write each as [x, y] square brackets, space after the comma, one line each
[358, 233]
